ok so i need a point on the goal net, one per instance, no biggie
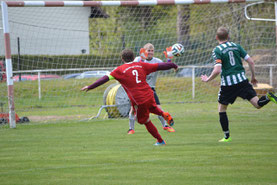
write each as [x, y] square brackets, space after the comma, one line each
[58, 50]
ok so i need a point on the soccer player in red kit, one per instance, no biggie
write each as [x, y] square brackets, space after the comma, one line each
[132, 77]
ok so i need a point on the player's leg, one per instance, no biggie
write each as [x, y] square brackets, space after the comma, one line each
[224, 122]
[263, 100]
[131, 121]
[227, 95]
[154, 132]
[142, 113]
[156, 110]
[163, 122]
[257, 103]
[250, 94]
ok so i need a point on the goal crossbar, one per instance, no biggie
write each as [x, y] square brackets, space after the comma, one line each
[116, 3]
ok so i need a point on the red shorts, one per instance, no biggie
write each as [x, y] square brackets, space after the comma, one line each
[142, 111]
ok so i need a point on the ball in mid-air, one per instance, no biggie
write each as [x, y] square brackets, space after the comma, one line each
[178, 50]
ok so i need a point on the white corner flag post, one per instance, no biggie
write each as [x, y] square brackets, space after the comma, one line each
[8, 61]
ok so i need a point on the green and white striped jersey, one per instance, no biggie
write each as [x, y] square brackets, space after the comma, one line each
[229, 55]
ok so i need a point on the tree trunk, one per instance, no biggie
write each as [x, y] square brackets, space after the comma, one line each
[183, 27]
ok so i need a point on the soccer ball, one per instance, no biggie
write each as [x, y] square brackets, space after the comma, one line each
[178, 50]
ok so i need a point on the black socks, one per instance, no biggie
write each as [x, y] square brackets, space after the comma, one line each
[263, 101]
[224, 124]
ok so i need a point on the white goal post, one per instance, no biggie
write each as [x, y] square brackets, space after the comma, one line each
[54, 39]
[262, 19]
[8, 62]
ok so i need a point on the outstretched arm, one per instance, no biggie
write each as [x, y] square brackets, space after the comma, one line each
[216, 71]
[98, 82]
[166, 66]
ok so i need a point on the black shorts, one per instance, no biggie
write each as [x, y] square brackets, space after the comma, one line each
[156, 96]
[228, 94]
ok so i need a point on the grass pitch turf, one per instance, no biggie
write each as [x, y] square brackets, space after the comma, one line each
[101, 152]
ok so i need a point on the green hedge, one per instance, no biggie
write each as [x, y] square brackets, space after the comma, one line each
[33, 62]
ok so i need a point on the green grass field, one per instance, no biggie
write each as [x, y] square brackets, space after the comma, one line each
[101, 152]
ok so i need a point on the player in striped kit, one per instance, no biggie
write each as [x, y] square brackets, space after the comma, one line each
[151, 80]
[227, 57]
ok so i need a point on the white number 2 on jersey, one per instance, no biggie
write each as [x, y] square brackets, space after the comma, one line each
[135, 73]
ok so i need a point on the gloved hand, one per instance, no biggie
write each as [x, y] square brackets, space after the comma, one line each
[168, 53]
[143, 54]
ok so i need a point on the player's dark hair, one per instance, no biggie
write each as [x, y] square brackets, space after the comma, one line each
[222, 33]
[127, 55]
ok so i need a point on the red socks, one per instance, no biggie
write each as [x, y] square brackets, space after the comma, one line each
[153, 131]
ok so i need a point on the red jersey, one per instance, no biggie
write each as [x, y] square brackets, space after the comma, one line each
[132, 77]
